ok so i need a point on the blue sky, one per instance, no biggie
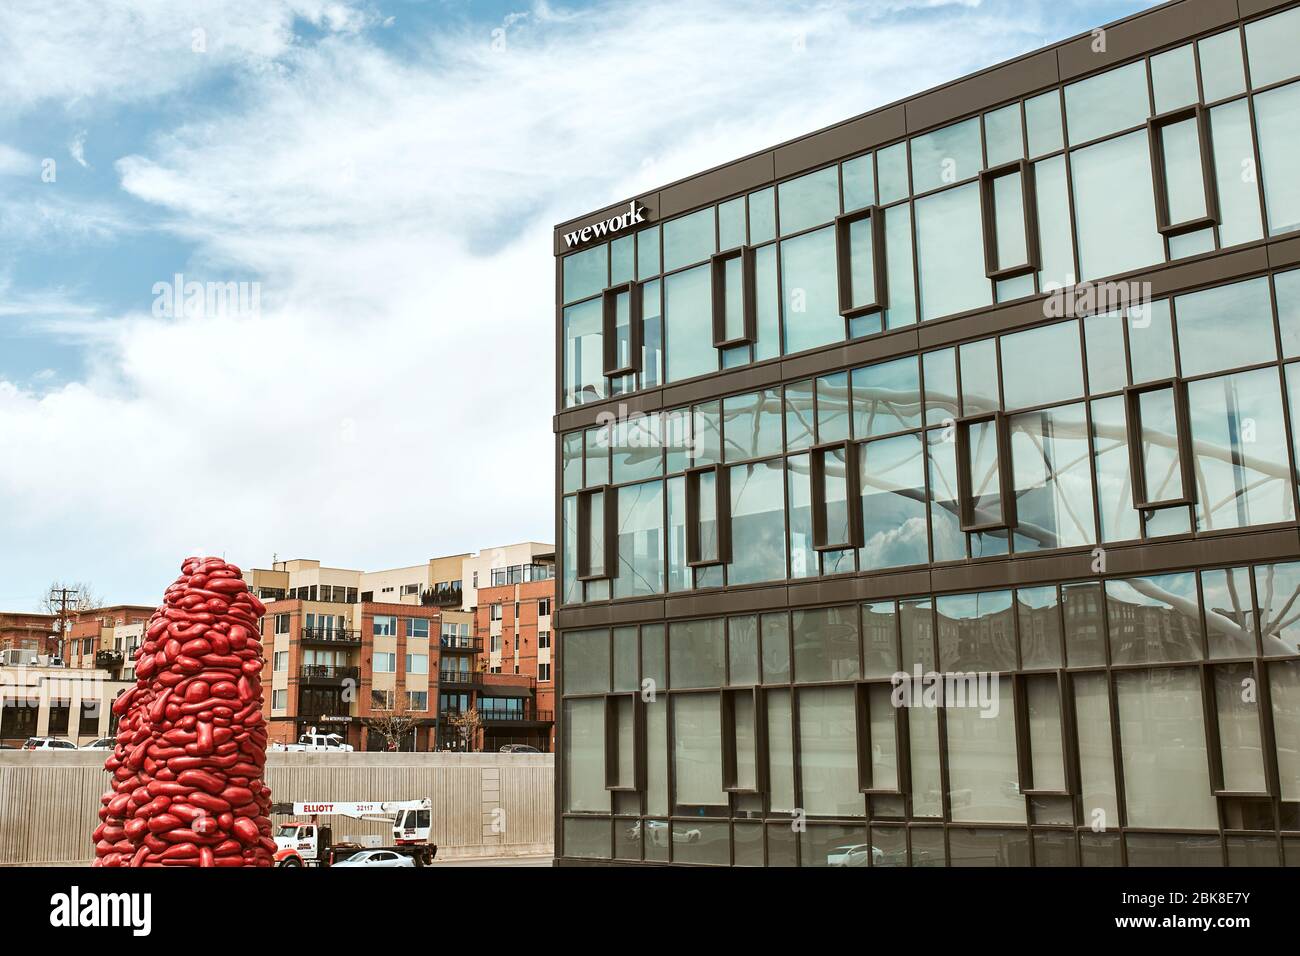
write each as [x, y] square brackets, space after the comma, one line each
[388, 173]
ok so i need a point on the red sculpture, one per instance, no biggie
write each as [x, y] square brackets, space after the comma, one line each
[191, 743]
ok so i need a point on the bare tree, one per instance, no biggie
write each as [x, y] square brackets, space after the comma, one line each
[466, 723]
[393, 724]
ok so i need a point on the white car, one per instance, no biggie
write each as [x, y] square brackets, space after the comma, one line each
[657, 833]
[103, 743]
[854, 855]
[373, 859]
[311, 743]
[48, 743]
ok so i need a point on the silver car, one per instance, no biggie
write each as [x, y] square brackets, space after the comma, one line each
[375, 859]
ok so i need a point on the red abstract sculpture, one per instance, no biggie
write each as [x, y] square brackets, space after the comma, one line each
[191, 743]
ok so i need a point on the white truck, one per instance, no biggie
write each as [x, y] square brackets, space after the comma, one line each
[311, 743]
[311, 843]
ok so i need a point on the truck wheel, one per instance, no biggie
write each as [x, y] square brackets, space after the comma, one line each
[291, 861]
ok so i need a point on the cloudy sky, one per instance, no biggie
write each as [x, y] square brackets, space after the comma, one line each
[387, 172]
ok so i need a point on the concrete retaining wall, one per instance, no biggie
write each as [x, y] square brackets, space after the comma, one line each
[483, 804]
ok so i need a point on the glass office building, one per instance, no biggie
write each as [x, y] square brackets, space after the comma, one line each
[927, 486]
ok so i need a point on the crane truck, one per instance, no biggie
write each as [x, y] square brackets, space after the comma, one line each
[312, 844]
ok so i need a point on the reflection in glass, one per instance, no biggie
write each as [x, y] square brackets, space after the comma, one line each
[1107, 103]
[886, 398]
[946, 155]
[809, 200]
[1114, 206]
[976, 632]
[689, 239]
[688, 329]
[1052, 479]
[1229, 612]
[1042, 365]
[1277, 120]
[984, 778]
[949, 251]
[892, 472]
[1039, 614]
[828, 752]
[1239, 443]
[1162, 738]
[809, 289]
[757, 523]
[1154, 619]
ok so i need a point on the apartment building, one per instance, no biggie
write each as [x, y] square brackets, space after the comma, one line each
[107, 638]
[345, 645]
[1000, 379]
[23, 631]
[513, 624]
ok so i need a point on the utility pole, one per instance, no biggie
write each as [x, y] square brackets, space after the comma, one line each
[62, 596]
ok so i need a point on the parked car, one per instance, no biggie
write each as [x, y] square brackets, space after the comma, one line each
[48, 743]
[854, 855]
[519, 749]
[375, 859]
[103, 743]
[656, 832]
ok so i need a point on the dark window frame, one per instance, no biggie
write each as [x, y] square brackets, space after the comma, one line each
[843, 262]
[729, 761]
[902, 743]
[965, 490]
[988, 213]
[1213, 741]
[748, 256]
[1069, 741]
[722, 494]
[1133, 433]
[610, 525]
[817, 494]
[1160, 185]
[612, 783]
[608, 320]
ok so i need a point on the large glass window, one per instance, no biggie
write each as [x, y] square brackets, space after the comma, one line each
[1052, 478]
[893, 502]
[688, 324]
[810, 291]
[584, 745]
[584, 370]
[828, 752]
[1162, 736]
[809, 200]
[697, 753]
[1114, 207]
[1239, 448]
[1107, 103]
[757, 522]
[1277, 118]
[946, 156]
[640, 540]
[950, 252]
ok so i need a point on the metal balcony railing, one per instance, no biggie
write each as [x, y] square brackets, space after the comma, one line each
[462, 645]
[330, 635]
[328, 672]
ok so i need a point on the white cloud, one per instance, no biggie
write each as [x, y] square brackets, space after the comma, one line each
[77, 149]
[394, 399]
[127, 50]
[14, 162]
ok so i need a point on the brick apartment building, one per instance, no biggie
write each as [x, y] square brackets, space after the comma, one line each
[107, 638]
[27, 632]
[331, 665]
[513, 624]
[345, 645]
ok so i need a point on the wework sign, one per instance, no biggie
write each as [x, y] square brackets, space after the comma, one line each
[636, 213]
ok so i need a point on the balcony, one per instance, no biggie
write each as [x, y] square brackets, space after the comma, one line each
[460, 678]
[461, 645]
[108, 659]
[333, 636]
[527, 715]
[327, 673]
